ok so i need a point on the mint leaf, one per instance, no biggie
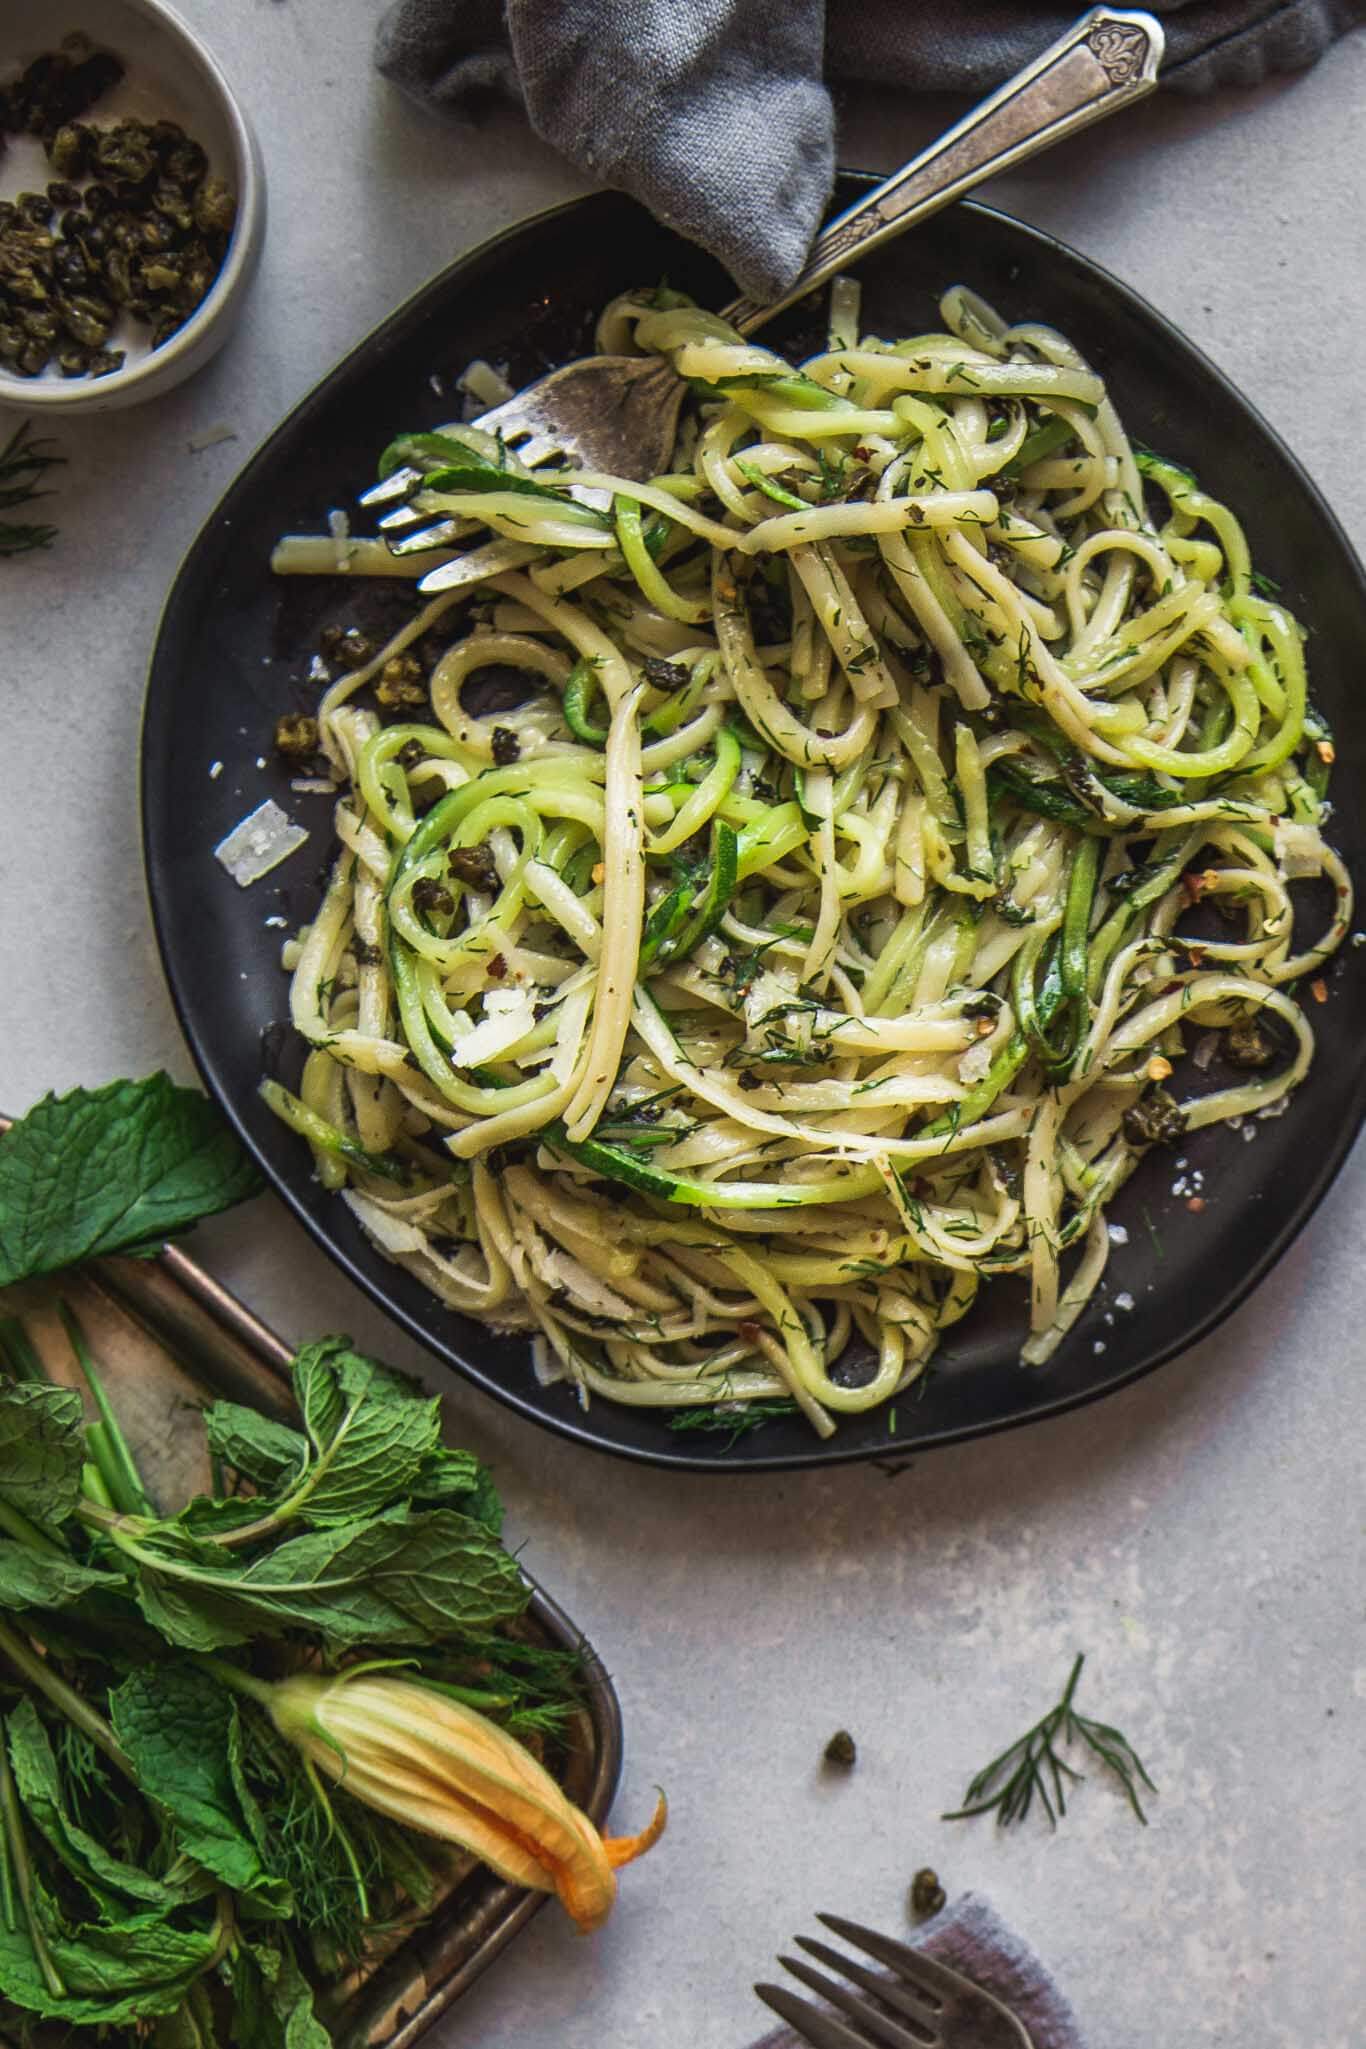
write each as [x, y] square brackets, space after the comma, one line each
[464, 1481]
[370, 1431]
[42, 1450]
[114, 1972]
[32, 1579]
[207, 1517]
[114, 1169]
[401, 1579]
[190, 2026]
[272, 2002]
[177, 1725]
[193, 1617]
[265, 1452]
[123, 1970]
[40, 1788]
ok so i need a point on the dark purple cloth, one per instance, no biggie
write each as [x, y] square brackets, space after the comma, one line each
[971, 1937]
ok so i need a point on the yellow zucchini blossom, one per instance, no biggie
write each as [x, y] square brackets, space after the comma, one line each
[434, 1765]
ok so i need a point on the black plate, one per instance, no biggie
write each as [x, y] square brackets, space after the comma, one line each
[233, 651]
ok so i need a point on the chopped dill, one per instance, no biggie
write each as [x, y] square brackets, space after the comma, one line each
[731, 1417]
[24, 460]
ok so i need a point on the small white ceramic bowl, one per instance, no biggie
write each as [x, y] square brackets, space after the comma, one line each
[170, 76]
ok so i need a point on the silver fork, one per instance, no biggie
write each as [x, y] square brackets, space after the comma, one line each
[923, 2005]
[620, 413]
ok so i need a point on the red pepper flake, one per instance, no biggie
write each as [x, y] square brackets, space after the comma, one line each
[749, 1330]
[862, 454]
[1196, 956]
[1195, 1203]
[1318, 989]
[498, 967]
[1194, 886]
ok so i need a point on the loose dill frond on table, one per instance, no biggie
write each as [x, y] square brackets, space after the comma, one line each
[1033, 1766]
[24, 461]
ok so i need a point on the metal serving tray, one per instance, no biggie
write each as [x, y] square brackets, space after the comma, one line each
[166, 1334]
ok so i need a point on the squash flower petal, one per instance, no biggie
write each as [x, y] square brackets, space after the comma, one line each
[432, 1764]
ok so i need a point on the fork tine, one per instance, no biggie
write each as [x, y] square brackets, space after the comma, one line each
[822, 2030]
[404, 515]
[937, 1980]
[509, 420]
[540, 448]
[896, 2034]
[396, 485]
[914, 2004]
[438, 536]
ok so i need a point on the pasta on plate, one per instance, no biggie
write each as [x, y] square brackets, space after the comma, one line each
[820, 934]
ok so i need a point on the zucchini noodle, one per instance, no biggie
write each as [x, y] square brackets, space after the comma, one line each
[902, 784]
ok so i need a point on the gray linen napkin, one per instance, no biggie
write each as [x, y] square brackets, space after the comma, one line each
[717, 113]
[972, 1938]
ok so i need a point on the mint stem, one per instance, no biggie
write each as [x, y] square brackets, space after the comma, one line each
[108, 1445]
[63, 1697]
[17, 1851]
[18, 1353]
[18, 1525]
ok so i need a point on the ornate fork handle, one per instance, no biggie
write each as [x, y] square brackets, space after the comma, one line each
[1105, 60]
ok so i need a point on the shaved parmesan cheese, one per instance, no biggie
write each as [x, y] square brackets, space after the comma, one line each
[508, 1017]
[484, 383]
[264, 838]
[1299, 849]
[975, 1062]
[1206, 1046]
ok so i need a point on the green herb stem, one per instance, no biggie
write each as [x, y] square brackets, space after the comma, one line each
[16, 1854]
[108, 1445]
[9, 1904]
[64, 1698]
[93, 1487]
[25, 1532]
[18, 1352]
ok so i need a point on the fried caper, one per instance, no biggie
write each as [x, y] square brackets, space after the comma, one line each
[215, 207]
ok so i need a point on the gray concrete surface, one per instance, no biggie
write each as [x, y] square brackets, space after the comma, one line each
[1200, 1536]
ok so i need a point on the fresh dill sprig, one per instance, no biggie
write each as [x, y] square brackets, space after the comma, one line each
[738, 1421]
[532, 1689]
[1034, 1765]
[23, 461]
